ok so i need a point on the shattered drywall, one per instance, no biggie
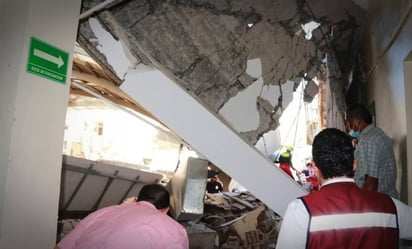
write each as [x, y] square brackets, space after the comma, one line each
[206, 46]
[269, 99]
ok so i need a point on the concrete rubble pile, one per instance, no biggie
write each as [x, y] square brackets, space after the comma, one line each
[234, 220]
[230, 221]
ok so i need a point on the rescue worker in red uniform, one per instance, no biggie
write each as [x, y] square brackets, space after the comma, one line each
[285, 161]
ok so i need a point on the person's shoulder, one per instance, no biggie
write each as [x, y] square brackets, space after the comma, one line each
[375, 132]
[374, 135]
[312, 196]
[380, 138]
[103, 211]
[158, 217]
[296, 202]
[401, 205]
[170, 227]
[376, 198]
[168, 219]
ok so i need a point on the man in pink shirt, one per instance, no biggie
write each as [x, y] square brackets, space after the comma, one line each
[138, 225]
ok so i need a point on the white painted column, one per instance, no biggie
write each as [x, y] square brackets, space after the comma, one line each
[407, 69]
[32, 117]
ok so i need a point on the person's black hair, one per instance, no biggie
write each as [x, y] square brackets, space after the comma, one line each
[332, 152]
[155, 194]
[359, 111]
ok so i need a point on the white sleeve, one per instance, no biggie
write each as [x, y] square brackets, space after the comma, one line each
[294, 227]
[404, 219]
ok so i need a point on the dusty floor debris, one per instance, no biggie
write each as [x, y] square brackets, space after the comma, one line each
[230, 221]
[240, 221]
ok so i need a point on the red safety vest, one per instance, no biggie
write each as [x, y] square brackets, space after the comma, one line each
[343, 216]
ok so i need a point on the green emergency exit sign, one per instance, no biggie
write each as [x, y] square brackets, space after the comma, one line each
[47, 61]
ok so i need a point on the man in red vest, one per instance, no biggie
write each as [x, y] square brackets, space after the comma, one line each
[340, 214]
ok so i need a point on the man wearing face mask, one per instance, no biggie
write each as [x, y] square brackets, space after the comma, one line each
[376, 170]
[353, 134]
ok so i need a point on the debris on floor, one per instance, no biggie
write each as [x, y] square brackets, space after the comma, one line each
[240, 220]
[229, 221]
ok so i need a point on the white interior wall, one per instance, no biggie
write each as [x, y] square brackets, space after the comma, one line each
[386, 84]
[32, 122]
[11, 53]
[408, 93]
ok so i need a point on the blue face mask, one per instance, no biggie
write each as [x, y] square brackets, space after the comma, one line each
[354, 134]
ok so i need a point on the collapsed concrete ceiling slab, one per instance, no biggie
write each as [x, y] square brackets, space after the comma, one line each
[206, 44]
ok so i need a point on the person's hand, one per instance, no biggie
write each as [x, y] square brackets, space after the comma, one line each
[129, 200]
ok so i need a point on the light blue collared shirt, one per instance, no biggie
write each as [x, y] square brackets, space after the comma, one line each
[375, 157]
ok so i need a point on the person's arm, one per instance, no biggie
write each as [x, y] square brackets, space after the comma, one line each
[69, 240]
[371, 183]
[404, 219]
[220, 187]
[294, 227]
[372, 163]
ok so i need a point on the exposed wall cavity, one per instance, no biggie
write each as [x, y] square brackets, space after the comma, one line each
[210, 47]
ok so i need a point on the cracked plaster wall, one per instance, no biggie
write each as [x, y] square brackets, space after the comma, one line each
[206, 46]
[244, 103]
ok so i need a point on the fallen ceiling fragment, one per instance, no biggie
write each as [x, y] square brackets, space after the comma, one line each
[205, 45]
